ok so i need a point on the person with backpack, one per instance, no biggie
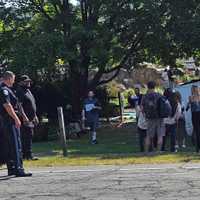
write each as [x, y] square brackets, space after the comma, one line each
[171, 122]
[155, 123]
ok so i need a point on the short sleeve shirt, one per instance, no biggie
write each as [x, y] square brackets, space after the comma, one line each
[91, 113]
[6, 96]
[28, 102]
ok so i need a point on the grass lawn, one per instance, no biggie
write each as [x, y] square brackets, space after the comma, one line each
[117, 146]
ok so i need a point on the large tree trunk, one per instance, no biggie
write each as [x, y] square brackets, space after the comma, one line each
[79, 88]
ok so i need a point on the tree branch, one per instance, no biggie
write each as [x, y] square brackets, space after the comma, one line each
[110, 79]
[116, 69]
[40, 8]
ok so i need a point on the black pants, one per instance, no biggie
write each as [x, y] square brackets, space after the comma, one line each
[196, 125]
[3, 145]
[27, 137]
[13, 146]
[171, 132]
[142, 136]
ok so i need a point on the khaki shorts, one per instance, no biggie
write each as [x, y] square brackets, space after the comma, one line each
[155, 127]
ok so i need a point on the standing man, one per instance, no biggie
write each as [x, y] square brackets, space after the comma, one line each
[29, 117]
[135, 101]
[155, 125]
[90, 114]
[171, 77]
[11, 126]
[138, 95]
[165, 79]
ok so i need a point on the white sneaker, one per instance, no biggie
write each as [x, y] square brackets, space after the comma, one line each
[184, 146]
[176, 146]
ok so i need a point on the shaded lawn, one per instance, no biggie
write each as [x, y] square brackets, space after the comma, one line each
[112, 140]
[117, 146]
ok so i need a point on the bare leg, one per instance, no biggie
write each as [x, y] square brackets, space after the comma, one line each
[160, 143]
[147, 144]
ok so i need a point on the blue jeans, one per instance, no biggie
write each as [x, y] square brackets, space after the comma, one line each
[171, 131]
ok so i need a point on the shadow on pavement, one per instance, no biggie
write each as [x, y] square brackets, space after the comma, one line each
[4, 178]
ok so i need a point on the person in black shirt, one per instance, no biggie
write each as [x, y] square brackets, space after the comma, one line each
[29, 117]
[135, 101]
[10, 126]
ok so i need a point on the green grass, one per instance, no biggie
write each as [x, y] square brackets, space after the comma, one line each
[117, 146]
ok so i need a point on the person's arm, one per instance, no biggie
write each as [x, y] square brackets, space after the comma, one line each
[20, 96]
[188, 104]
[178, 113]
[11, 112]
[142, 103]
[97, 106]
[36, 120]
[22, 113]
[83, 114]
[138, 110]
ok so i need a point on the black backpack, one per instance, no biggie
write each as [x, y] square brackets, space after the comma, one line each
[151, 106]
[164, 107]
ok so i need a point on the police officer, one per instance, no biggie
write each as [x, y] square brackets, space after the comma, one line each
[11, 126]
[29, 117]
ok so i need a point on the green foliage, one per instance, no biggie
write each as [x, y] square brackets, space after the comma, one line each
[101, 36]
[109, 32]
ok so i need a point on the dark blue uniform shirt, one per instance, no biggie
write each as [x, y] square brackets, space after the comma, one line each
[7, 96]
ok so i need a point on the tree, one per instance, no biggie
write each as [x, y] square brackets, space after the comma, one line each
[99, 36]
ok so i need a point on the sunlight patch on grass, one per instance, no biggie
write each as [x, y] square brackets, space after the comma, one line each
[111, 159]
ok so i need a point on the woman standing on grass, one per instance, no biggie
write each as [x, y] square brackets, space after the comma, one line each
[194, 105]
[181, 130]
[172, 121]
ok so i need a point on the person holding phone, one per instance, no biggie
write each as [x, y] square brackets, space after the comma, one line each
[90, 115]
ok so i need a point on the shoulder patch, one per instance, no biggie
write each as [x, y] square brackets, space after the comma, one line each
[5, 92]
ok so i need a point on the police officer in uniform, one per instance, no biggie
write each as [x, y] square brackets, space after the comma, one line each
[29, 117]
[11, 126]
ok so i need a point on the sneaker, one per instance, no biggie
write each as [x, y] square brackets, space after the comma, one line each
[184, 146]
[11, 172]
[176, 146]
[32, 158]
[94, 142]
[18, 173]
[23, 174]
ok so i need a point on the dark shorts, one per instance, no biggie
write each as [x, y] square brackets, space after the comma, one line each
[92, 125]
[155, 127]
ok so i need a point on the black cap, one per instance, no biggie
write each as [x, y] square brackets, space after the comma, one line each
[25, 78]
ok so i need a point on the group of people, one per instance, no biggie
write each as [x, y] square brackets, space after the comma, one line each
[162, 116]
[159, 117]
[17, 121]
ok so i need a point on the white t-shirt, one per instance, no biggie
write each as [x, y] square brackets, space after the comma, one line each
[176, 117]
[165, 76]
[142, 123]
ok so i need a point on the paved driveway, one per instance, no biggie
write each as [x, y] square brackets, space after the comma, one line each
[139, 182]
